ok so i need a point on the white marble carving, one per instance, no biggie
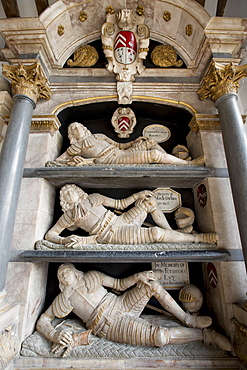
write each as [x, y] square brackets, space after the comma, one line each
[88, 148]
[89, 212]
[116, 318]
[123, 120]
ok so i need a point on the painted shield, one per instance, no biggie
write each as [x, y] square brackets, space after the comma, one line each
[123, 123]
[125, 47]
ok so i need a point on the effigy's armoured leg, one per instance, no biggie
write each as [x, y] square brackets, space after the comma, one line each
[136, 331]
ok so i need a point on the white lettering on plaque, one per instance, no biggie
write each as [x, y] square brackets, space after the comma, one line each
[159, 133]
[175, 274]
[168, 199]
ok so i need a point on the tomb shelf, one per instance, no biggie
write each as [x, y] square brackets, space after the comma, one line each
[121, 256]
[103, 176]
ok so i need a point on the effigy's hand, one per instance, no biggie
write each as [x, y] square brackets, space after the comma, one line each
[77, 161]
[75, 241]
[145, 277]
[145, 194]
[63, 338]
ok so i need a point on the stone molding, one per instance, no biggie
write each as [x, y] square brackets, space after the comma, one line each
[205, 122]
[46, 124]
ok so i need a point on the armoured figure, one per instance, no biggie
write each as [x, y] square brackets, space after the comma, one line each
[89, 213]
[99, 149]
[116, 318]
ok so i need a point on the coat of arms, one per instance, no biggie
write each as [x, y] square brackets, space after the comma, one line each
[125, 40]
[123, 121]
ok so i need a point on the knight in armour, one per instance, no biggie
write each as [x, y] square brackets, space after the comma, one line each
[117, 318]
[90, 212]
[99, 149]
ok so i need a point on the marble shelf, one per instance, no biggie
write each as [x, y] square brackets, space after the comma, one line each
[95, 176]
[120, 256]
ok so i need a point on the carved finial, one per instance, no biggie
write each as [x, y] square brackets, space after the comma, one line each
[221, 80]
[28, 80]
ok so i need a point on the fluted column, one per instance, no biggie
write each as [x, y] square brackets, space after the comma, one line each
[221, 85]
[28, 85]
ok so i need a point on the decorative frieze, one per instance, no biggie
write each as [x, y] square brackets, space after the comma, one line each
[46, 124]
[202, 122]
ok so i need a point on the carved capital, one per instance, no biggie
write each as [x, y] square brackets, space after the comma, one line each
[28, 80]
[202, 122]
[222, 80]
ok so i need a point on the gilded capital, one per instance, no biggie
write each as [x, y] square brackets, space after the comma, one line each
[221, 80]
[28, 80]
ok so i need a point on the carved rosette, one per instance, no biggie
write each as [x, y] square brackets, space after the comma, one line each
[27, 80]
[222, 80]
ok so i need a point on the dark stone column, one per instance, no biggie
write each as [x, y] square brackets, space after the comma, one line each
[11, 169]
[221, 85]
[28, 85]
[235, 144]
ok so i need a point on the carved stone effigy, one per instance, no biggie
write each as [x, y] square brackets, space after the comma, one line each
[89, 213]
[115, 316]
[88, 148]
[36, 345]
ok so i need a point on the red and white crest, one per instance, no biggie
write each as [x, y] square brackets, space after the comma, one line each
[125, 47]
[123, 121]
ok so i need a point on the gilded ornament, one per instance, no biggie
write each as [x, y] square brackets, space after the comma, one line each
[221, 80]
[60, 30]
[189, 29]
[83, 16]
[84, 56]
[110, 10]
[165, 56]
[140, 10]
[205, 123]
[27, 80]
[167, 16]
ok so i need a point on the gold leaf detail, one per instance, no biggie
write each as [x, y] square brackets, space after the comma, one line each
[84, 56]
[27, 80]
[167, 16]
[110, 10]
[221, 80]
[189, 29]
[165, 56]
[83, 16]
[140, 10]
[60, 30]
